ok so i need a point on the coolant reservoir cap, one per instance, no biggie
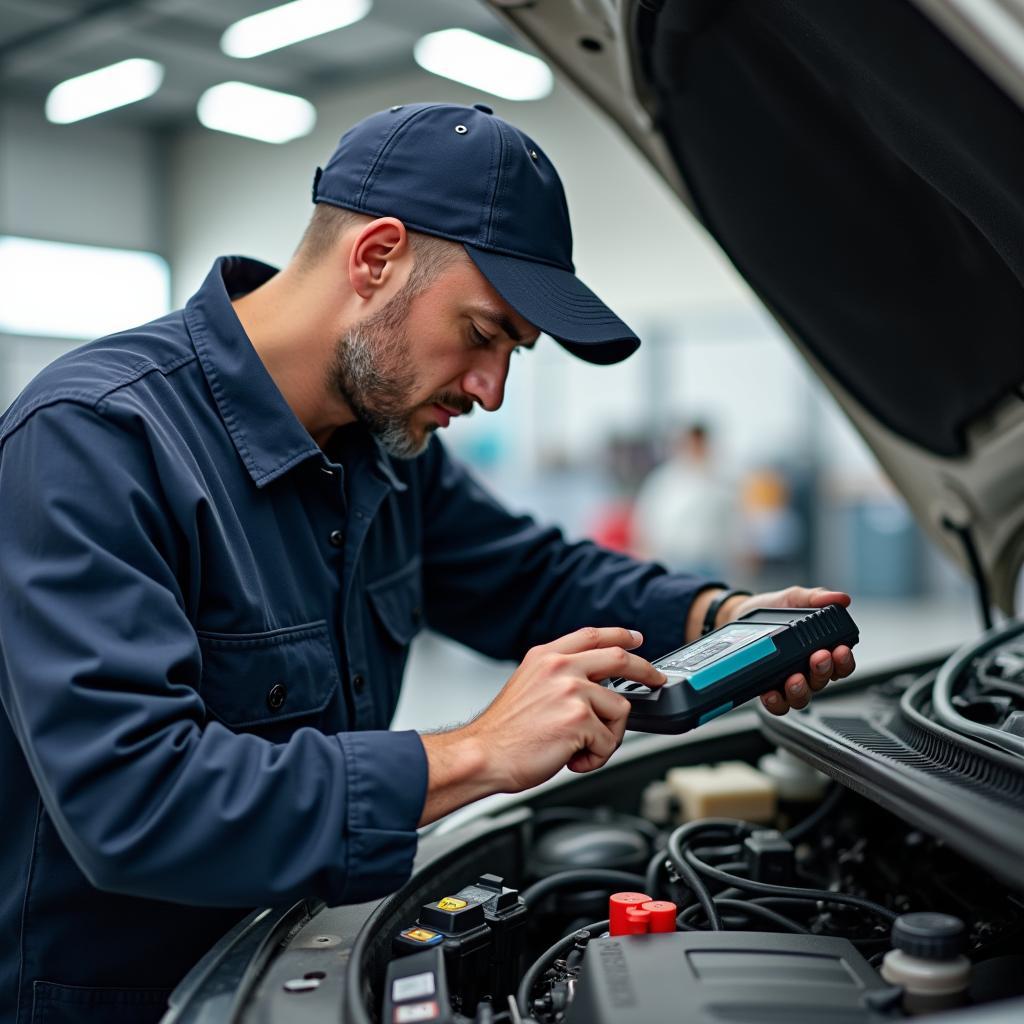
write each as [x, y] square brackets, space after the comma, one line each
[928, 935]
[663, 915]
[618, 919]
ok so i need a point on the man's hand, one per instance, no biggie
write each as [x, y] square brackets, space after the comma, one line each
[824, 665]
[549, 715]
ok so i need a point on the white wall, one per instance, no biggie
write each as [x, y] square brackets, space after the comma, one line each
[89, 182]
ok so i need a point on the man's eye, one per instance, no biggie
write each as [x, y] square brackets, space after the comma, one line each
[479, 339]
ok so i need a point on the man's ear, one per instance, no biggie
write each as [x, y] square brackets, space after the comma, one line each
[375, 255]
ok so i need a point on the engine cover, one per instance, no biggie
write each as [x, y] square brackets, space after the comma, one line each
[738, 977]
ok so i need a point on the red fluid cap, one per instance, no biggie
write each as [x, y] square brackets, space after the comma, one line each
[663, 915]
[618, 903]
[638, 921]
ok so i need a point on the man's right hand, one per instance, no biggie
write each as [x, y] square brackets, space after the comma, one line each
[549, 715]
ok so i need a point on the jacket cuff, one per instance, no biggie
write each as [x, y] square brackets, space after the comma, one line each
[386, 775]
[667, 607]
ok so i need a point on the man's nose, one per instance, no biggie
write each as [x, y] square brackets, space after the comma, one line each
[487, 385]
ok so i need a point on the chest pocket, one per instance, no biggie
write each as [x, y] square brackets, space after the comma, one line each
[395, 601]
[72, 1004]
[269, 683]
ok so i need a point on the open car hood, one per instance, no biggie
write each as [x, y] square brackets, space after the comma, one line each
[862, 166]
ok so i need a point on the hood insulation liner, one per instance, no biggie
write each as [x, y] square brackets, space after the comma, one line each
[867, 179]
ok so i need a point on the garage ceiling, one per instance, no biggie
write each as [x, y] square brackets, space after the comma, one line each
[43, 42]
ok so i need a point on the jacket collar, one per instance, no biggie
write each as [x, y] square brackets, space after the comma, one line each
[268, 436]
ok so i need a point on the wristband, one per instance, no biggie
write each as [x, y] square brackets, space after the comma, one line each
[716, 603]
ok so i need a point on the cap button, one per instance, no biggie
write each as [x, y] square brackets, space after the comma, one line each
[483, 106]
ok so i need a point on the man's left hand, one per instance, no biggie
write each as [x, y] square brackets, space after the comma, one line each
[823, 666]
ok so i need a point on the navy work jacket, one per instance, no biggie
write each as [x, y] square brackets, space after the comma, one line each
[204, 618]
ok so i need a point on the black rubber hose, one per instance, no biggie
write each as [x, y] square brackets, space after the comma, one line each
[780, 901]
[676, 841]
[654, 866]
[815, 818]
[751, 910]
[731, 851]
[540, 965]
[654, 869]
[733, 866]
[1005, 686]
[949, 674]
[914, 705]
[802, 905]
[604, 877]
[793, 892]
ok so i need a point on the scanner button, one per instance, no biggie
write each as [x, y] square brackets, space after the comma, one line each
[635, 688]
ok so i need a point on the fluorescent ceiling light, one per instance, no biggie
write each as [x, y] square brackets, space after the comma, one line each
[57, 290]
[474, 60]
[116, 85]
[290, 23]
[256, 113]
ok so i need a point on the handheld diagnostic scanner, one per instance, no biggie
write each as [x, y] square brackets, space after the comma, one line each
[730, 665]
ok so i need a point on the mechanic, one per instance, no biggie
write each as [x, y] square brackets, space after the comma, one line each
[219, 533]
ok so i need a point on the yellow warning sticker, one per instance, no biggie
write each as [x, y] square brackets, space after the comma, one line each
[420, 934]
[451, 903]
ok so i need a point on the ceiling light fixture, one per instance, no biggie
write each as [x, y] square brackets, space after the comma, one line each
[481, 63]
[95, 92]
[101, 289]
[290, 23]
[256, 113]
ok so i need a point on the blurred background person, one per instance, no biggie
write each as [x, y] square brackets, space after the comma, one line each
[685, 510]
[627, 459]
[774, 534]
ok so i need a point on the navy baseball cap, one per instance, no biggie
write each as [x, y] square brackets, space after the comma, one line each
[465, 174]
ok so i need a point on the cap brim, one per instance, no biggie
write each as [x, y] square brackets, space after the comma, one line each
[558, 303]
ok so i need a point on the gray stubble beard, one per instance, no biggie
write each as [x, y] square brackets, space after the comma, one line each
[371, 370]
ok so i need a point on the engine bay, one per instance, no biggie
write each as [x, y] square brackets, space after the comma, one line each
[855, 861]
[787, 921]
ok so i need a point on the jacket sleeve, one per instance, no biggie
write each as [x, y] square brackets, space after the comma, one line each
[501, 583]
[100, 674]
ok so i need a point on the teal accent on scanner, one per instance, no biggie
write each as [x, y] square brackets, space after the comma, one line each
[763, 648]
[715, 712]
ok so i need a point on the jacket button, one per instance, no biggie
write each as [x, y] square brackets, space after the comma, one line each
[358, 684]
[276, 696]
[337, 538]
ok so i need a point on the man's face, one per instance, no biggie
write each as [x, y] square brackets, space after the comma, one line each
[424, 358]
